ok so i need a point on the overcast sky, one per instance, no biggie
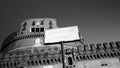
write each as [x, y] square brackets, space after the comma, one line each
[98, 20]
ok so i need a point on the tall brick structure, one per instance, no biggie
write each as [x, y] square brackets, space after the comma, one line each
[25, 48]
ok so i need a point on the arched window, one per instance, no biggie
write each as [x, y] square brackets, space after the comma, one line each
[70, 61]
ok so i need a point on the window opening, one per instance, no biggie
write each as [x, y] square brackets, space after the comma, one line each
[104, 64]
[32, 29]
[50, 25]
[42, 23]
[41, 29]
[33, 24]
[70, 61]
[50, 22]
[39, 61]
[37, 29]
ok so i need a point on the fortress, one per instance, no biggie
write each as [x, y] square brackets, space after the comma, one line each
[25, 48]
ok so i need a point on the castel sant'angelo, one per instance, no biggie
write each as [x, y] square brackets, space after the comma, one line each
[28, 48]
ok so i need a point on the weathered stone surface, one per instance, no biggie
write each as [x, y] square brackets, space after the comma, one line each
[19, 50]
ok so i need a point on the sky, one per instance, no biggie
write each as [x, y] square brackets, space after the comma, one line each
[98, 20]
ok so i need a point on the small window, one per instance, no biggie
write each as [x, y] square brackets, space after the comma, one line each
[42, 23]
[41, 29]
[104, 64]
[33, 23]
[50, 22]
[32, 29]
[37, 29]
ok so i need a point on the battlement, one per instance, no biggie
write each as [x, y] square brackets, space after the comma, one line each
[48, 55]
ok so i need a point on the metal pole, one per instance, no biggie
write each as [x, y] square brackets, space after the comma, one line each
[63, 56]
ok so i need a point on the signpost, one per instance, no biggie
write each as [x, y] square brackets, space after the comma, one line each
[62, 35]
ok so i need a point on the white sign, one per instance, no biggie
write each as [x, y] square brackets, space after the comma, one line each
[61, 34]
